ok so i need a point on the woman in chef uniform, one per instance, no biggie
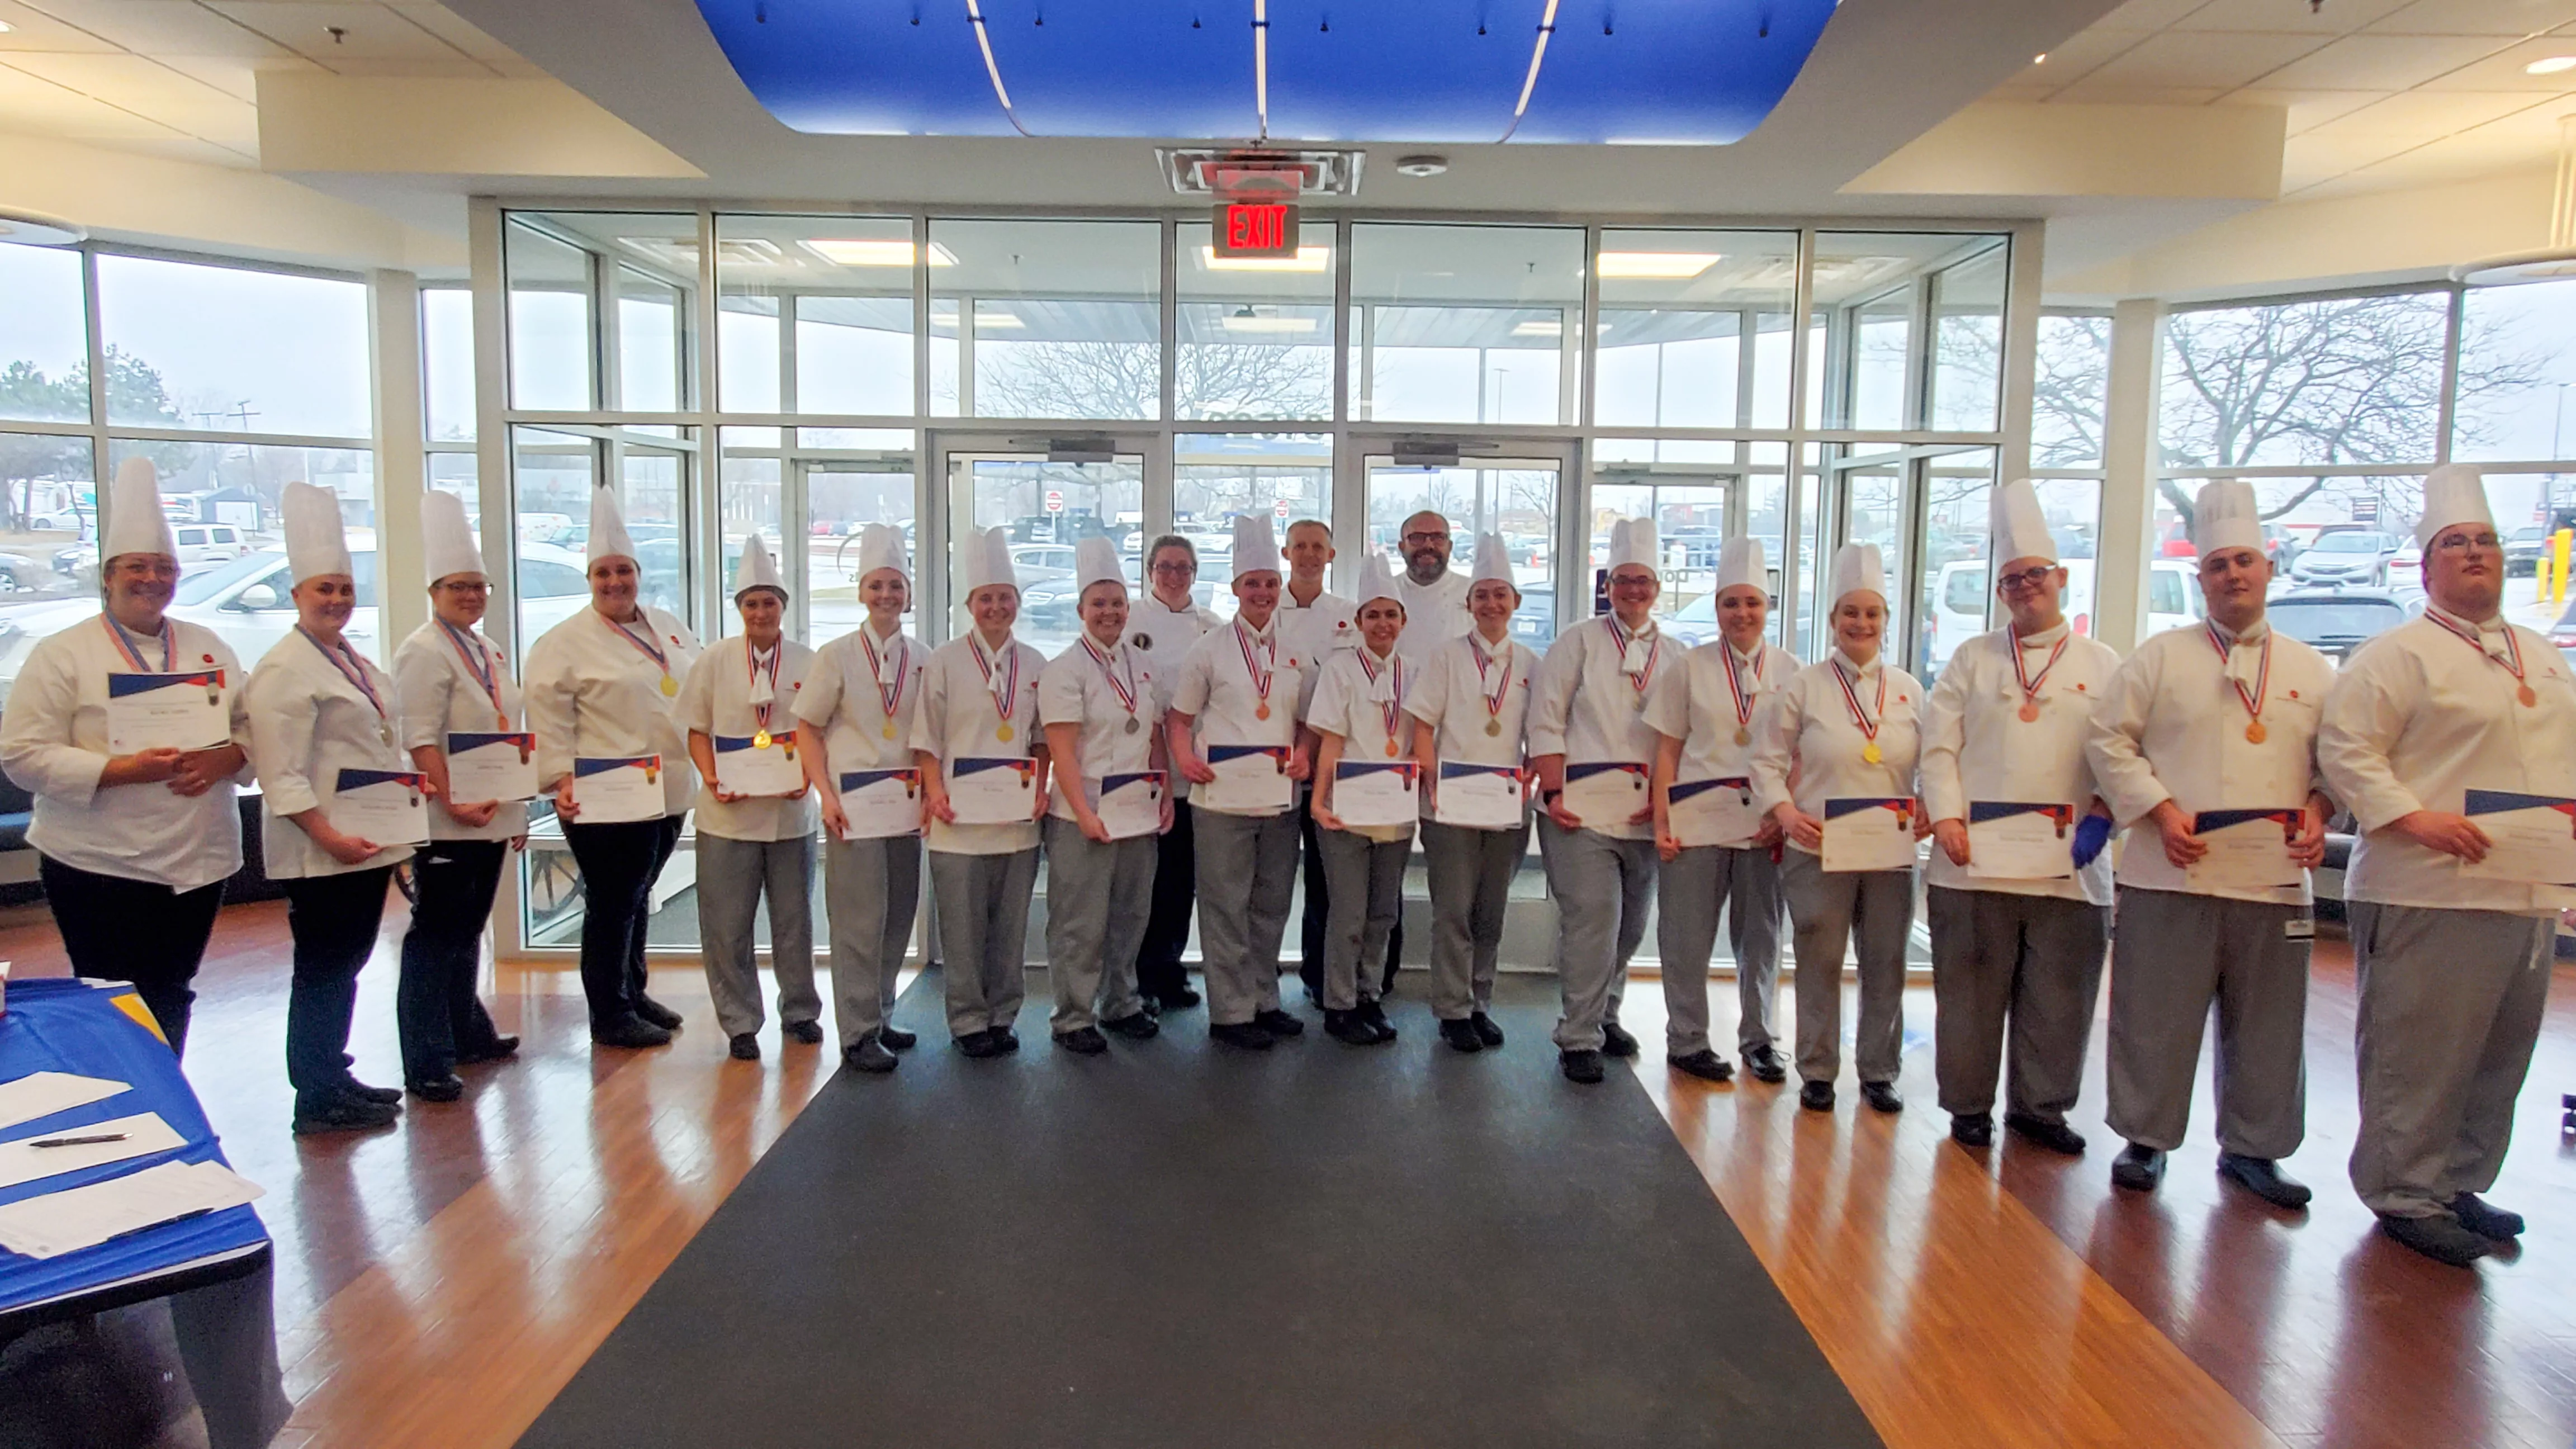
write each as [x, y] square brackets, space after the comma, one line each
[318, 707]
[1358, 712]
[602, 684]
[451, 680]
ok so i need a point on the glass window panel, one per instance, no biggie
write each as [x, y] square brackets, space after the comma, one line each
[1957, 504]
[1811, 534]
[845, 492]
[234, 349]
[2338, 380]
[44, 337]
[1968, 342]
[2517, 364]
[1517, 498]
[1048, 507]
[652, 335]
[553, 474]
[1218, 476]
[1683, 319]
[1874, 511]
[848, 283]
[49, 497]
[460, 474]
[1694, 513]
[1465, 324]
[447, 363]
[2071, 394]
[1871, 290]
[1047, 319]
[1255, 334]
[550, 343]
[1766, 486]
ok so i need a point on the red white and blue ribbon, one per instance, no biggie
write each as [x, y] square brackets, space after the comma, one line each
[1868, 723]
[352, 669]
[133, 652]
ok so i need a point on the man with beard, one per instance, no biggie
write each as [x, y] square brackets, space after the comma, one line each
[1434, 597]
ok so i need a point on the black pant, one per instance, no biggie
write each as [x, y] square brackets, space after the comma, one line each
[116, 928]
[1310, 927]
[333, 919]
[1159, 972]
[619, 864]
[435, 1008]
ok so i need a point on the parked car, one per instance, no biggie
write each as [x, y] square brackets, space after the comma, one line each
[2336, 621]
[1959, 595]
[201, 543]
[2349, 556]
[1696, 624]
[2524, 548]
[1534, 622]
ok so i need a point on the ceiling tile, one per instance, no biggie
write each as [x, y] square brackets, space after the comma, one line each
[2477, 17]
[447, 25]
[160, 27]
[2290, 17]
[232, 75]
[34, 30]
[29, 103]
[2417, 117]
[151, 90]
[2079, 54]
[2381, 62]
[190, 148]
[2206, 58]
[2152, 14]
[450, 66]
[369, 32]
[2100, 93]
[2308, 109]
[2316, 155]
[2503, 71]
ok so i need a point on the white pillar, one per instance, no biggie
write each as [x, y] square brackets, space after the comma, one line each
[402, 598]
[2129, 465]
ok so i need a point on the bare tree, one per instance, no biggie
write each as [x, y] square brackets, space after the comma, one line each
[1124, 380]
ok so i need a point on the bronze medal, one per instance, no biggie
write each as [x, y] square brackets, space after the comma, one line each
[1390, 749]
[1743, 736]
[2527, 696]
[1261, 711]
[2255, 734]
[1493, 727]
[2030, 711]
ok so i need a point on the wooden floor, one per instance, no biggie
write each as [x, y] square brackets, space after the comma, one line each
[438, 1282]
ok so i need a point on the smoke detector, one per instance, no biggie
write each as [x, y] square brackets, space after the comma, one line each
[1421, 165]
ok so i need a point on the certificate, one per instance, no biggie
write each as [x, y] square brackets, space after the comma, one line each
[389, 807]
[1869, 832]
[484, 767]
[2021, 840]
[2248, 849]
[1132, 804]
[1249, 779]
[1479, 797]
[744, 766]
[610, 789]
[993, 790]
[1605, 794]
[167, 712]
[1713, 812]
[1376, 792]
[881, 803]
[2533, 837]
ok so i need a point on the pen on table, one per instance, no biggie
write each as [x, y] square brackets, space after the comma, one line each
[78, 1141]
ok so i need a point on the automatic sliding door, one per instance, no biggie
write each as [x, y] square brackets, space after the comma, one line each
[1049, 500]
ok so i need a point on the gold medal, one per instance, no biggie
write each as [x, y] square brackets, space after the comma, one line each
[889, 729]
[1261, 710]
[1493, 727]
[2029, 712]
[2527, 697]
[2255, 734]
[1003, 733]
[1743, 736]
[1870, 752]
[760, 739]
[670, 687]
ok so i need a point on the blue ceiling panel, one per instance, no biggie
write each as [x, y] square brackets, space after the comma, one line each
[1678, 71]
[1414, 70]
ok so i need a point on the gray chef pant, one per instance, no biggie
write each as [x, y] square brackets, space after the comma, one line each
[871, 888]
[2035, 959]
[1603, 886]
[1871, 912]
[733, 877]
[2172, 953]
[2451, 1004]
[1099, 895]
[983, 934]
[1364, 893]
[1693, 886]
[1247, 866]
[1471, 885]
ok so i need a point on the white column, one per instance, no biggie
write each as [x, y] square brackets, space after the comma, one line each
[2129, 464]
[402, 598]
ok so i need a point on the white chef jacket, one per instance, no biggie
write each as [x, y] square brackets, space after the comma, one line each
[1316, 631]
[1162, 637]
[2417, 719]
[53, 742]
[1077, 688]
[716, 700]
[1694, 704]
[1809, 724]
[592, 693]
[307, 724]
[1216, 689]
[1434, 614]
[1585, 706]
[845, 694]
[1349, 704]
[961, 718]
[1976, 746]
[1450, 694]
[440, 694]
[2172, 727]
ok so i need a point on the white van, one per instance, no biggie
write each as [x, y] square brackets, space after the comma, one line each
[209, 542]
[1960, 592]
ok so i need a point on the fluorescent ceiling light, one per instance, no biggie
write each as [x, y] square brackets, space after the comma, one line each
[874, 252]
[1248, 320]
[1536, 328]
[1657, 266]
[2550, 65]
[997, 319]
[1308, 259]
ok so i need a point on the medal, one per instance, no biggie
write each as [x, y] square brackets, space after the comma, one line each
[2029, 682]
[1870, 752]
[2255, 734]
[2029, 712]
[2523, 693]
[1493, 727]
[1868, 724]
[891, 699]
[1125, 689]
[760, 739]
[1494, 699]
[1390, 749]
[1261, 678]
[1261, 711]
[760, 708]
[1134, 724]
[1006, 692]
[478, 662]
[1394, 700]
[1744, 698]
[2527, 697]
[1003, 732]
[670, 687]
[889, 729]
[1743, 736]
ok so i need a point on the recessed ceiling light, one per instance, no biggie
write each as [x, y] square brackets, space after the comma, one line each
[2550, 65]
[1657, 266]
[1425, 165]
[6, 27]
[2040, 59]
[1308, 259]
[874, 252]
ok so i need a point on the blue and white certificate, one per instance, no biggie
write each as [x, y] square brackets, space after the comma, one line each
[1479, 797]
[1131, 804]
[745, 766]
[389, 807]
[880, 804]
[1869, 832]
[483, 767]
[2532, 838]
[1605, 794]
[612, 789]
[1376, 792]
[993, 790]
[2021, 839]
[2248, 849]
[1713, 812]
[1249, 779]
[167, 712]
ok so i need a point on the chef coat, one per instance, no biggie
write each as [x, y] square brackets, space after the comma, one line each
[961, 717]
[1434, 613]
[1808, 725]
[53, 742]
[2420, 717]
[845, 696]
[592, 693]
[1316, 631]
[440, 694]
[1162, 637]
[1451, 694]
[1696, 705]
[1976, 745]
[2172, 726]
[1099, 692]
[1348, 703]
[716, 699]
[1585, 706]
[1216, 688]
[308, 722]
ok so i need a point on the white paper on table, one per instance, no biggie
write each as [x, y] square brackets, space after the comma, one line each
[145, 1133]
[611, 789]
[1248, 777]
[745, 767]
[1479, 797]
[993, 790]
[1377, 792]
[2248, 849]
[1131, 804]
[2021, 839]
[487, 767]
[2532, 837]
[880, 804]
[389, 807]
[84, 1217]
[1605, 794]
[167, 712]
[42, 1094]
[1870, 832]
[1713, 812]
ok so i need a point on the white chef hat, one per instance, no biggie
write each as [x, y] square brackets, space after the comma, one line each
[2453, 493]
[1377, 581]
[1740, 562]
[2225, 516]
[608, 535]
[447, 540]
[316, 543]
[1256, 547]
[983, 558]
[1632, 541]
[756, 570]
[2020, 530]
[135, 522]
[881, 547]
[1494, 560]
[1095, 561]
[1857, 569]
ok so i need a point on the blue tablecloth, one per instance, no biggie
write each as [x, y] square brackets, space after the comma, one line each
[83, 1028]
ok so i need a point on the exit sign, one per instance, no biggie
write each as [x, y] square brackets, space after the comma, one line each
[1256, 229]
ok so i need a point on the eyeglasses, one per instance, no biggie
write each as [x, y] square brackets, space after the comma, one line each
[2028, 580]
[1176, 568]
[462, 587]
[1441, 537]
[2463, 542]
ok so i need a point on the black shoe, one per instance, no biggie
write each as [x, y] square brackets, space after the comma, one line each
[2486, 1219]
[1704, 1064]
[2057, 1137]
[1179, 998]
[980, 1044]
[1375, 1016]
[1817, 1096]
[2440, 1237]
[437, 1089]
[656, 1013]
[1278, 1023]
[1615, 1040]
[1580, 1066]
[1083, 1041]
[870, 1056]
[1881, 1097]
[2138, 1168]
[629, 1031]
[1245, 1034]
[1973, 1129]
[1349, 1028]
[498, 1049]
[388, 1096]
[1007, 1039]
[342, 1114]
[1765, 1064]
[2263, 1177]
[1486, 1032]
[896, 1039]
[1135, 1026]
[744, 1047]
[1461, 1035]
[1153, 1004]
[808, 1032]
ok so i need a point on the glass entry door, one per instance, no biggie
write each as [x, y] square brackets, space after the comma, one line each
[1517, 487]
[1695, 512]
[1050, 493]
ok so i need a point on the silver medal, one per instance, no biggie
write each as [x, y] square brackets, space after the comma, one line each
[1133, 725]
